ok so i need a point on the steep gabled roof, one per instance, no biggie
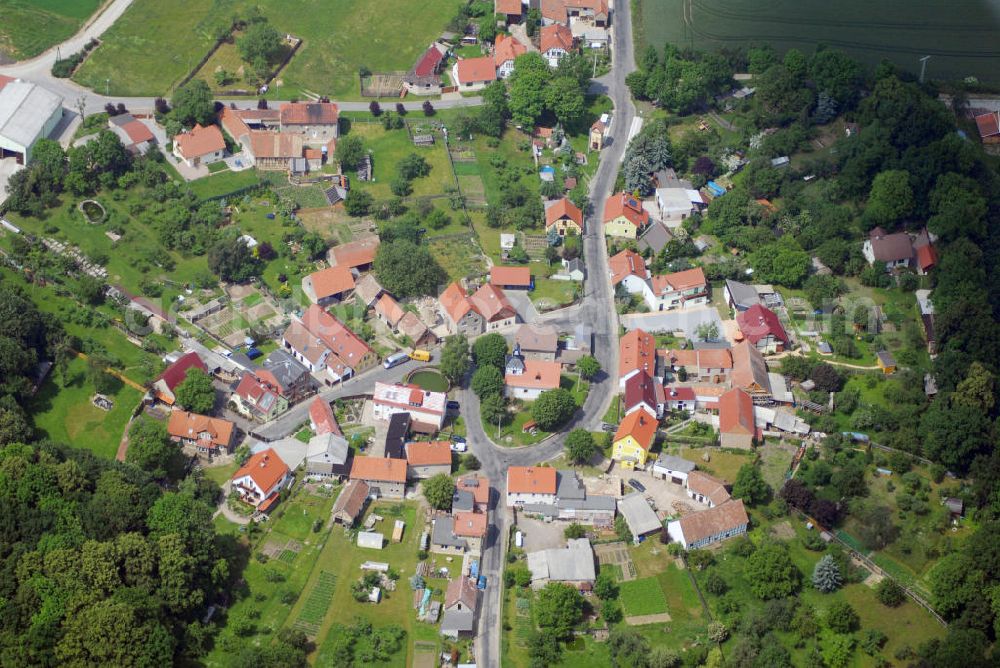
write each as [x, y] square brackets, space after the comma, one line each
[185, 425]
[331, 281]
[389, 309]
[639, 389]
[714, 521]
[265, 468]
[531, 480]
[507, 48]
[201, 140]
[711, 488]
[433, 453]
[758, 321]
[321, 414]
[176, 372]
[563, 208]
[455, 302]
[641, 426]
[309, 113]
[538, 375]
[379, 469]
[749, 367]
[626, 263]
[636, 352]
[679, 281]
[736, 413]
[555, 36]
[623, 204]
[474, 70]
[518, 276]
[491, 302]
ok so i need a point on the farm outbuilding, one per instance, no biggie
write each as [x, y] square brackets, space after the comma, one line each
[371, 539]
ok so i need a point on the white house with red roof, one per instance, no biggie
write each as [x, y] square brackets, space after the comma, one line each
[135, 136]
[505, 52]
[256, 400]
[988, 125]
[322, 419]
[425, 76]
[326, 346]
[173, 375]
[681, 289]
[531, 378]
[424, 406]
[555, 42]
[260, 479]
[680, 398]
[474, 73]
[642, 391]
[761, 327]
[201, 145]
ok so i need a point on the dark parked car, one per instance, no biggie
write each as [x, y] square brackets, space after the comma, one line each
[636, 485]
[608, 427]
[453, 405]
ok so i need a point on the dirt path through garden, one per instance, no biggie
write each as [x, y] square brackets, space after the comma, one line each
[640, 620]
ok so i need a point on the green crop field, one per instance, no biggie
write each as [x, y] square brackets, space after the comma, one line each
[642, 597]
[28, 27]
[962, 38]
[157, 42]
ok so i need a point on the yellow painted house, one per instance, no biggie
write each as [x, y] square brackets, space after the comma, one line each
[624, 216]
[634, 439]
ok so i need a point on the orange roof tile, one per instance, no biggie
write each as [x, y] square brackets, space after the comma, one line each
[217, 432]
[636, 352]
[736, 413]
[491, 302]
[475, 70]
[344, 344]
[232, 121]
[281, 145]
[476, 485]
[323, 417]
[538, 374]
[378, 469]
[434, 453]
[531, 480]
[712, 488]
[265, 468]
[309, 113]
[389, 309]
[517, 276]
[455, 302]
[563, 208]
[555, 36]
[640, 425]
[201, 140]
[679, 281]
[509, 7]
[708, 358]
[623, 204]
[626, 263]
[470, 525]
[507, 48]
[354, 254]
[331, 281]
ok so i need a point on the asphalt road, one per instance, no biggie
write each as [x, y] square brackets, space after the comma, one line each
[597, 310]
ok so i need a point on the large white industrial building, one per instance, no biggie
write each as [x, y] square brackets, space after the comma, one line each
[28, 113]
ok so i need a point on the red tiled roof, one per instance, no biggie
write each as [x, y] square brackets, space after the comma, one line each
[389, 309]
[138, 132]
[538, 374]
[758, 321]
[507, 48]
[252, 388]
[265, 468]
[232, 121]
[623, 204]
[555, 36]
[626, 263]
[342, 342]
[201, 140]
[322, 416]
[518, 276]
[736, 413]
[177, 371]
[708, 358]
[926, 257]
[429, 63]
[640, 388]
[267, 144]
[331, 281]
[749, 367]
[4, 80]
[434, 453]
[491, 302]
[679, 393]
[455, 302]
[476, 485]
[641, 426]
[509, 7]
[309, 113]
[474, 70]
[378, 469]
[988, 124]
[461, 590]
[563, 208]
[679, 281]
[712, 488]
[531, 480]
[636, 352]
[183, 424]
[470, 525]
[354, 254]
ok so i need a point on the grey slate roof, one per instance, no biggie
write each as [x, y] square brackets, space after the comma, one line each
[675, 463]
[462, 501]
[457, 621]
[573, 563]
[592, 502]
[568, 486]
[656, 237]
[744, 296]
[444, 533]
[641, 519]
[286, 369]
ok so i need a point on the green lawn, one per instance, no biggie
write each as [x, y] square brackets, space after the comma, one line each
[722, 465]
[28, 27]
[551, 294]
[66, 415]
[157, 42]
[224, 182]
[389, 147]
[221, 474]
[642, 597]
